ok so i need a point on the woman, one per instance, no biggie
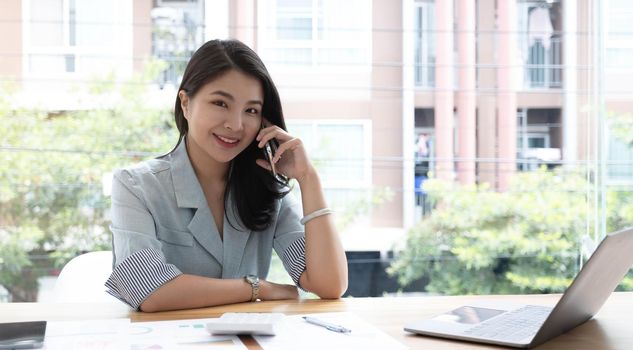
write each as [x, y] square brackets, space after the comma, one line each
[197, 226]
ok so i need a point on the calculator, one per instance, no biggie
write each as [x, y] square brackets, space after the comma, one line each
[246, 323]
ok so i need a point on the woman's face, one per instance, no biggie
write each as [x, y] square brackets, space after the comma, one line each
[224, 116]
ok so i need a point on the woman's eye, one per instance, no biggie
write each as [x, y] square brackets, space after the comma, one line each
[252, 111]
[220, 103]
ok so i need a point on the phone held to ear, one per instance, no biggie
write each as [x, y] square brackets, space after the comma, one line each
[269, 152]
[22, 335]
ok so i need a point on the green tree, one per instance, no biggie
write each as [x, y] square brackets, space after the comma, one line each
[621, 125]
[52, 166]
[524, 240]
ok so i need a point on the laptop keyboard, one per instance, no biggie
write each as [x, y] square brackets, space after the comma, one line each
[512, 326]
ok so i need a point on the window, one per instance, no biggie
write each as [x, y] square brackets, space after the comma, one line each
[315, 32]
[540, 43]
[618, 74]
[177, 31]
[538, 140]
[341, 151]
[619, 50]
[77, 37]
[620, 13]
[619, 58]
[620, 161]
[495, 230]
[424, 44]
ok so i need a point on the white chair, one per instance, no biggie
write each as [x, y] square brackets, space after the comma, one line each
[82, 279]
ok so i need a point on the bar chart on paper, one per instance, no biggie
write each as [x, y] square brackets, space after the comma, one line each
[181, 334]
[119, 334]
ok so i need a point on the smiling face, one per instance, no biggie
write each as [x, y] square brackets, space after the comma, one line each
[224, 117]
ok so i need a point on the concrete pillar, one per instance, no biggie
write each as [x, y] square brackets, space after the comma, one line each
[142, 33]
[506, 92]
[11, 48]
[584, 80]
[408, 114]
[466, 103]
[243, 21]
[486, 98]
[444, 116]
[570, 83]
[385, 110]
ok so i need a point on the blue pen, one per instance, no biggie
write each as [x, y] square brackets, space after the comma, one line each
[326, 325]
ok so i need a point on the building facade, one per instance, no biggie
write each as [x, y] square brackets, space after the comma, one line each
[385, 94]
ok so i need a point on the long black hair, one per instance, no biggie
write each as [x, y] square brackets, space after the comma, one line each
[253, 188]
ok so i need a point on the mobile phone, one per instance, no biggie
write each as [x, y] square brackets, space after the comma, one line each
[269, 152]
[22, 335]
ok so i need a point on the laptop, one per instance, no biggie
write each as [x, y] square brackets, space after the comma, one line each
[525, 326]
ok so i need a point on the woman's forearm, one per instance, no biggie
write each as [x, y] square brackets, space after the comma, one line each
[326, 264]
[190, 291]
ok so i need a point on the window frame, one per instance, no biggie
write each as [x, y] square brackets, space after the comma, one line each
[123, 29]
[426, 50]
[268, 11]
[366, 126]
[548, 66]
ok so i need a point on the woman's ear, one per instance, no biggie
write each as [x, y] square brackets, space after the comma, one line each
[184, 103]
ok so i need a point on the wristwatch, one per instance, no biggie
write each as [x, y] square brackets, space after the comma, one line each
[253, 280]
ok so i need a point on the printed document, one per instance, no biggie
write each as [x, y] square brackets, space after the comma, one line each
[295, 333]
[117, 334]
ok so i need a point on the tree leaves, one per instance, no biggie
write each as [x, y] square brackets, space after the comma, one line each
[52, 166]
[524, 240]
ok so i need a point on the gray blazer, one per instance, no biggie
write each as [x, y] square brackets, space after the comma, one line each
[159, 204]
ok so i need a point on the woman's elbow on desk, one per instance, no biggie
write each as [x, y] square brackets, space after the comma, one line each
[326, 289]
[331, 294]
[148, 306]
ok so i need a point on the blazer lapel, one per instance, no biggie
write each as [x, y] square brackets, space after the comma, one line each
[205, 231]
[189, 194]
[235, 240]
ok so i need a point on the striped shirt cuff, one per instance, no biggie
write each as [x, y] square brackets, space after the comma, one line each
[139, 275]
[294, 259]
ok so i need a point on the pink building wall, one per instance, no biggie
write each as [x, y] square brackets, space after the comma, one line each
[466, 96]
[506, 92]
[444, 82]
[11, 29]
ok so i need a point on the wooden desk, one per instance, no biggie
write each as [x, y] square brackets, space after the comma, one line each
[610, 329]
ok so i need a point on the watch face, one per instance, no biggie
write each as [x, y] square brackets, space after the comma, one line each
[252, 279]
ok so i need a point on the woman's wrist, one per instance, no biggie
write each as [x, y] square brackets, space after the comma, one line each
[309, 176]
[264, 290]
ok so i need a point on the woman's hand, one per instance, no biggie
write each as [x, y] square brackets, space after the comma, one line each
[290, 158]
[275, 291]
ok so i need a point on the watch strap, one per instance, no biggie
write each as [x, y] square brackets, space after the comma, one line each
[253, 280]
